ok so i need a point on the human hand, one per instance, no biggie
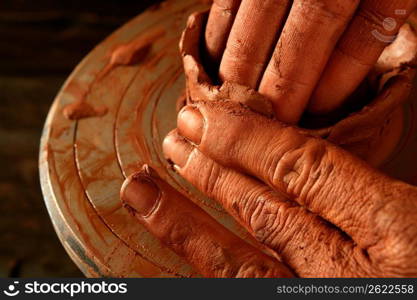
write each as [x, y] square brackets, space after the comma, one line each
[321, 52]
[325, 212]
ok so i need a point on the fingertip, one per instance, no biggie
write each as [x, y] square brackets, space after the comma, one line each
[176, 149]
[140, 194]
[168, 142]
[190, 124]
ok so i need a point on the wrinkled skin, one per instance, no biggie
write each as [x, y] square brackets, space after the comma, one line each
[314, 208]
[325, 212]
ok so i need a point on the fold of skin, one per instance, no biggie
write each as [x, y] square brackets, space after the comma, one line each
[359, 132]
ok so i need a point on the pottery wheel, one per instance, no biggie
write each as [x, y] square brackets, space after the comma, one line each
[124, 96]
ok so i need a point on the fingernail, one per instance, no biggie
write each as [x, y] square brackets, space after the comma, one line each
[176, 149]
[140, 194]
[190, 124]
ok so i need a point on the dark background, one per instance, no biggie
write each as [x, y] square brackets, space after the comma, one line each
[41, 41]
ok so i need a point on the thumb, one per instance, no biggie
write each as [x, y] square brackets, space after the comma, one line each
[192, 233]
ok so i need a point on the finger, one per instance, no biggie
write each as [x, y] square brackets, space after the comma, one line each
[253, 35]
[192, 233]
[304, 47]
[220, 21]
[303, 240]
[372, 29]
[327, 180]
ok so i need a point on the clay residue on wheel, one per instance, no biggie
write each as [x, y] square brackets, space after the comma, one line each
[133, 52]
[80, 109]
[126, 54]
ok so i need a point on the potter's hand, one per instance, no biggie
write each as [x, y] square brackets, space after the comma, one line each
[325, 212]
[324, 45]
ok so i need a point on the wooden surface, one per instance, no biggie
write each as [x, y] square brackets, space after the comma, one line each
[83, 163]
[41, 42]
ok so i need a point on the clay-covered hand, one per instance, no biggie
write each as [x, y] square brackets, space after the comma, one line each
[302, 51]
[325, 212]
[193, 234]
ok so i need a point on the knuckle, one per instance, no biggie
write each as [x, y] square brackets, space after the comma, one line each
[228, 6]
[221, 262]
[277, 164]
[246, 203]
[396, 250]
[263, 221]
[301, 168]
[225, 265]
[209, 177]
[399, 257]
[269, 219]
[254, 269]
[279, 70]
[401, 247]
[281, 229]
[252, 265]
[336, 10]
[178, 234]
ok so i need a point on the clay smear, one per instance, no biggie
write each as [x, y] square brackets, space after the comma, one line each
[128, 54]
[80, 109]
[132, 53]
